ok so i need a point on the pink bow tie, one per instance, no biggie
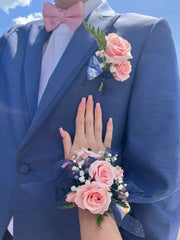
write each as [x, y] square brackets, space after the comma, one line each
[73, 17]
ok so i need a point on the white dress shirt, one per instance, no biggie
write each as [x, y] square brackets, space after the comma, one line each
[56, 46]
[52, 53]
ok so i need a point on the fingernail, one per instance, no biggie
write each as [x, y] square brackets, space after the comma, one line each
[110, 122]
[90, 99]
[62, 132]
[98, 107]
[83, 101]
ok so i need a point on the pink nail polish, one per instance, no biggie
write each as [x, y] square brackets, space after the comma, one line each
[90, 99]
[110, 122]
[83, 101]
[62, 132]
[98, 107]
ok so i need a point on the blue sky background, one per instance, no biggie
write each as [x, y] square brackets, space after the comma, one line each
[169, 9]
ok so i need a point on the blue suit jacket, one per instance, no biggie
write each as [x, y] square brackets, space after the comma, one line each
[145, 109]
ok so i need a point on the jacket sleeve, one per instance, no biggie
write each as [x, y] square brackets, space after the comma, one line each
[152, 152]
[5, 36]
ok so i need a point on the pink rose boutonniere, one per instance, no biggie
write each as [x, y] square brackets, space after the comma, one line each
[114, 52]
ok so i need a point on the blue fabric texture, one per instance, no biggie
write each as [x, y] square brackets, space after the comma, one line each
[146, 117]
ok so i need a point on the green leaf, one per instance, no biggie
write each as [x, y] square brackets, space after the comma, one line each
[93, 31]
[104, 41]
[71, 205]
[99, 35]
[120, 203]
[107, 66]
[98, 32]
[102, 34]
[89, 149]
[99, 220]
[85, 24]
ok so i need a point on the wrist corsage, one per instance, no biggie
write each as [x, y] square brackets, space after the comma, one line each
[94, 181]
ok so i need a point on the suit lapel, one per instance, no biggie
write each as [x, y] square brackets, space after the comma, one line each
[32, 65]
[81, 47]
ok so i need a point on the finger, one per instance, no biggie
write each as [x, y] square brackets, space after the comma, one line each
[109, 133]
[80, 131]
[98, 123]
[67, 144]
[89, 119]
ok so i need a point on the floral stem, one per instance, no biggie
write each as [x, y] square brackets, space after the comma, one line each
[101, 86]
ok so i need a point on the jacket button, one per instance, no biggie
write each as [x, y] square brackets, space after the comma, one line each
[24, 168]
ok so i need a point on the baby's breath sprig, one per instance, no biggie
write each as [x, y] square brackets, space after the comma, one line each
[108, 157]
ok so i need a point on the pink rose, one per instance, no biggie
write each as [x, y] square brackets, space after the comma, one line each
[93, 197]
[70, 197]
[83, 153]
[117, 49]
[121, 71]
[103, 172]
[119, 171]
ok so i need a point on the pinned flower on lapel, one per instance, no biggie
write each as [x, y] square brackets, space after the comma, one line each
[114, 52]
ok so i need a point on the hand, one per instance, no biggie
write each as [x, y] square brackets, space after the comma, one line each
[88, 132]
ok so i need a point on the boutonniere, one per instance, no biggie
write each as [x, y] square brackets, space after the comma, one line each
[114, 52]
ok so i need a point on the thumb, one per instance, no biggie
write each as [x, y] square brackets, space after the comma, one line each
[67, 144]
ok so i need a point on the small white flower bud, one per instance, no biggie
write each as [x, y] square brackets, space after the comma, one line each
[120, 179]
[74, 168]
[82, 179]
[126, 194]
[101, 65]
[87, 182]
[77, 189]
[112, 69]
[97, 53]
[73, 188]
[80, 163]
[107, 159]
[120, 187]
[101, 152]
[114, 159]
[81, 173]
[102, 53]
[76, 177]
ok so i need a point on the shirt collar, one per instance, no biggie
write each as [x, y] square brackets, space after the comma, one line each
[90, 5]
